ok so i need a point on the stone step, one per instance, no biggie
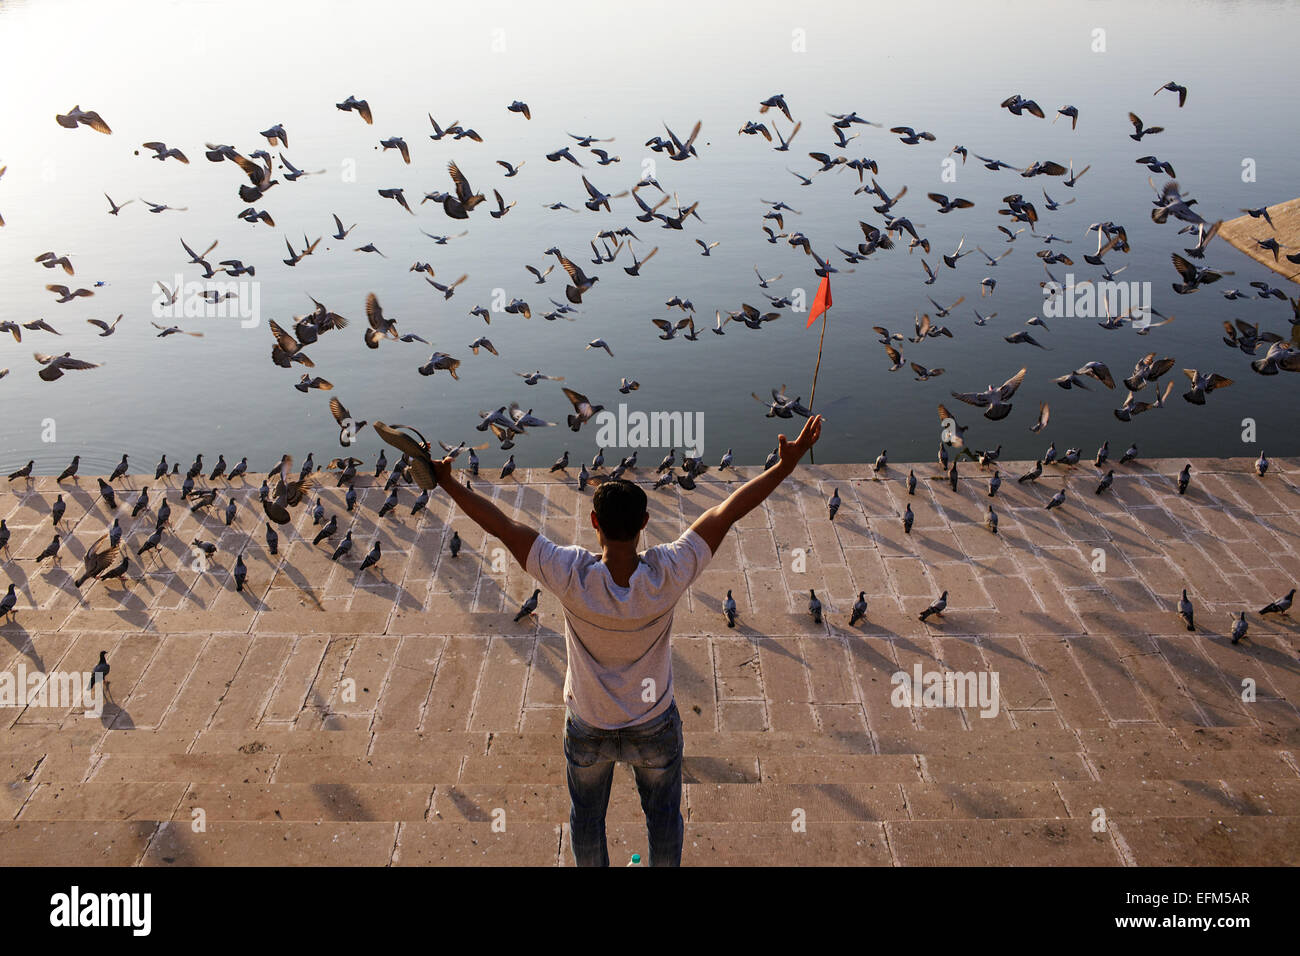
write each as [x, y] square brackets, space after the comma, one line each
[24, 740]
[1225, 840]
[332, 800]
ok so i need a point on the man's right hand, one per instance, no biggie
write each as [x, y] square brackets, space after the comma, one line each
[791, 452]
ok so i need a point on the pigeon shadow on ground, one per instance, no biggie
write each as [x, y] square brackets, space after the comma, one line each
[14, 571]
[21, 639]
[253, 601]
[131, 608]
[872, 658]
[899, 641]
[291, 571]
[1003, 651]
[114, 717]
[1267, 654]
[770, 641]
[542, 665]
[857, 810]
[466, 806]
[329, 719]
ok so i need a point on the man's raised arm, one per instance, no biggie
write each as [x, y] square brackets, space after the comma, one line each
[714, 524]
[518, 538]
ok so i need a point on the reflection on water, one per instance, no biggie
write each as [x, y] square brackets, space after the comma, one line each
[189, 73]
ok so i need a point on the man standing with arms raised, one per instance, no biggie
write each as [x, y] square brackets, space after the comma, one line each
[618, 615]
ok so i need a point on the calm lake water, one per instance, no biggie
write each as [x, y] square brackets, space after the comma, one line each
[191, 72]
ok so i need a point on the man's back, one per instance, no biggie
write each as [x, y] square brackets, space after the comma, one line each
[618, 638]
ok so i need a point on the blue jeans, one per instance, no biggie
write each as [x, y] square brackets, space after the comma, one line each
[654, 749]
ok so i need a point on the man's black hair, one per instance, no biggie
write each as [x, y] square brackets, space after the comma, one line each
[620, 508]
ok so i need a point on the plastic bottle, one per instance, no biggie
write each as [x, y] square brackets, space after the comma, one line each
[635, 861]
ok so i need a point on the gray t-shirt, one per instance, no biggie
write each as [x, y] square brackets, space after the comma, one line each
[620, 666]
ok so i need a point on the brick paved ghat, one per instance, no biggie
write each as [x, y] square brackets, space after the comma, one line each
[239, 704]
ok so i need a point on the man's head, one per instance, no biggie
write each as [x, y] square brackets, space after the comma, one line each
[619, 510]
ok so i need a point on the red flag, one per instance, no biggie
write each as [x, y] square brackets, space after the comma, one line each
[821, 302]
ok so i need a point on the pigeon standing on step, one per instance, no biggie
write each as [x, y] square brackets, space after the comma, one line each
[1184, 478]
[952, 475]
[52, 551]
[57, 510]
[1185, 611]
[10, 599]
[150, 542]
[420, 503]
[71, 470]
[991, 520]
[1261, 465]
[455, 544]
[937, 608]
[106, 490]
[120, 470]
[994, 484]
[728, 608]
[1130, 454]
[814, 607]
[528, 607]
[240, 572]
[99, 673]
[1058, 499]
[1239, 628]
[344, 547]
[833, 505]
[908, 517]
[911, 482]
[1281, 606]
[329, 529]
[371, 558]
[1106, 482]
[859, 608]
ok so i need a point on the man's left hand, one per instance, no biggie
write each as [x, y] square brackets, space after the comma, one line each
[442, 470]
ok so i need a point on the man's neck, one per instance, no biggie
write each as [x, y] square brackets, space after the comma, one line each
[621, 559]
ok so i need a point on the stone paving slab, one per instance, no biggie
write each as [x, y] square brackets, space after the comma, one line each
[399, 716]
[1243, 231]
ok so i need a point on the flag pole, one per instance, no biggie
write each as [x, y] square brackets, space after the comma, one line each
[812, 460]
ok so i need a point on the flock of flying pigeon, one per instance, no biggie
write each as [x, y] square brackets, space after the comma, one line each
[107, 558]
